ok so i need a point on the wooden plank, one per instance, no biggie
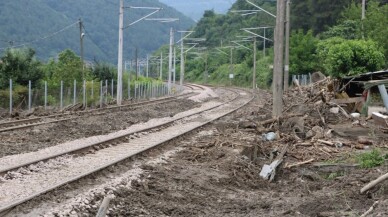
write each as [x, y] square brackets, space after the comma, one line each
[380, 119]
[348, 100]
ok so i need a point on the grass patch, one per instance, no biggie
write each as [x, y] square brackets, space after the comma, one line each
[334, 175]
[371, 159]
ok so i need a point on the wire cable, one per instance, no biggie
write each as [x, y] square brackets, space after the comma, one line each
[42, 37]
[91, 39]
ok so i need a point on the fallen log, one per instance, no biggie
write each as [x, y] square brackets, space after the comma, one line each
[373, 183]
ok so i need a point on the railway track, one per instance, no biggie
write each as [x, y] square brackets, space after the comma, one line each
[94, 156]
[36, 121]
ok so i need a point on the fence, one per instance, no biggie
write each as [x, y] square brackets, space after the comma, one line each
[302, 79]
[86, 94]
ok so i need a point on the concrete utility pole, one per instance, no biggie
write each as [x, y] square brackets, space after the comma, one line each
[147, 70]
[182, 75]
[161, 66]
[206, 74]
[363, 10]
[174, 66]
[277, 108]
[264, 44]
[120, 54]
[287, 50]
[170, 59]
[136, 64]
[254, 64]
[231, 65]
[81, 36]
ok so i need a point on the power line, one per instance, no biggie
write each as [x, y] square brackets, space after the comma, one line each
[91, 39]
[42, 37]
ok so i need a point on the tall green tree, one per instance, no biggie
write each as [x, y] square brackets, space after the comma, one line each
[303, 56]
[374, 27]
[316, 15]
[21, 66]
[103, 71]
[68, 68]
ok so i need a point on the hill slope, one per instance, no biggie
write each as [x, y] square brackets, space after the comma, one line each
[32, 23]
[196, 8]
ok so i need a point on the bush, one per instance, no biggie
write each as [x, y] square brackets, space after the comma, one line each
[371, 159]
[19, 93]
[342, 57]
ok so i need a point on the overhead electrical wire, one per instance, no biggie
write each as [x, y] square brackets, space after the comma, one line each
[41, 38]
[91, 39]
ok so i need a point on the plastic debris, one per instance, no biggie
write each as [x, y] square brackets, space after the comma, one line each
[269, 136]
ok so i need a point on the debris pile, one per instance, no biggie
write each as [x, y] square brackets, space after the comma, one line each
[314, 127]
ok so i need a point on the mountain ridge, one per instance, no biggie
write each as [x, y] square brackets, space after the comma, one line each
[23, 21]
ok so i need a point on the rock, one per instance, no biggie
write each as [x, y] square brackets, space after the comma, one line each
[319, 132]
[309, 134]
[355, 115]
[334, 110]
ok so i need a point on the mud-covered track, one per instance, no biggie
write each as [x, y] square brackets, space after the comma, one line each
[36, 121]
[142, 144]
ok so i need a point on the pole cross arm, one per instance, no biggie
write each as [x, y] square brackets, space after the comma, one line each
[195, 44]
[246, 30]
[148, 15]
[163, 20]
[186, 36]
[240, 45]
[261, 8]
[222, 51]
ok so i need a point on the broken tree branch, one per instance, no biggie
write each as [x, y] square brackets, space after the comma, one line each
[299, 163]
[340, 108]
[374, 183]
[370, 209]
[326, 142]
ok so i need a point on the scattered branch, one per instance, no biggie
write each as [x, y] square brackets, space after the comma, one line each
[373, 183]
[370, 209]
[299, 163]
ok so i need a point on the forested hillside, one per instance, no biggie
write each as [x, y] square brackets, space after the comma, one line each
[326, 36]
[46, 26]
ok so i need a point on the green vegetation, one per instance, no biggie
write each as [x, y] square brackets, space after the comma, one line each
[371, 159]
[20, 65]
[342, 57]
[26, 22]
[325, 37]
[334, 175]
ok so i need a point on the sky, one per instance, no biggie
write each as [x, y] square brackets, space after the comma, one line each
[195, 8]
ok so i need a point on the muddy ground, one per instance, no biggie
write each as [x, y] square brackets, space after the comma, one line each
[33, 139]
[213, 175]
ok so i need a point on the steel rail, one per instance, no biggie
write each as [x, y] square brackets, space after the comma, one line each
[19, 123]
[18, 202]
[79, 148]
